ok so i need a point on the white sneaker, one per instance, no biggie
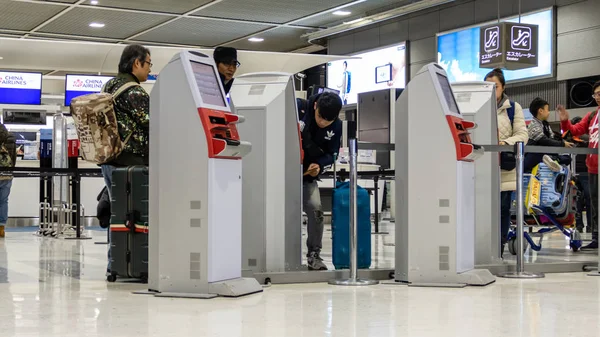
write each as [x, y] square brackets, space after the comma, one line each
[551, 163]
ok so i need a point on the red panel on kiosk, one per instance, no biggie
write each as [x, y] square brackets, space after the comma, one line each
[219, 127]
[462, 140]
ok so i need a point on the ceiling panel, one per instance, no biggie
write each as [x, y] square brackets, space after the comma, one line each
[42, 36]
[275, 11]
[24, 15]
[65, 73]
[359, 10]
[279, 39]
[170, 6]
[119, 25]
[200, 32]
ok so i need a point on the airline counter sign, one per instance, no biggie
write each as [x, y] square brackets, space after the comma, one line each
[86, 83]
[509, 45]
[10, 80]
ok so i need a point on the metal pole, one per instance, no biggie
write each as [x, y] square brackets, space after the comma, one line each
[520, 270]
[520, 156]
[353, 211]
[597, 273]
[353, 280]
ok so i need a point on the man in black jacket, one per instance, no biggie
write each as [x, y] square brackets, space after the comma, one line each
[321, 133]
[227, 64]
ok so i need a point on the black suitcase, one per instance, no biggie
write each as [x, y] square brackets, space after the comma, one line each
[129, 224]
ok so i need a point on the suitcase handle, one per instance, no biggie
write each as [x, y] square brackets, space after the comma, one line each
[131, 220]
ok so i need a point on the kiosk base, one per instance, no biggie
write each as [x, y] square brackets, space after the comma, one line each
[475, 277]
[229, 288]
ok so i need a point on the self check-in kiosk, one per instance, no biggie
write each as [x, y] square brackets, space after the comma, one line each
[195, 184]
[477, 103]
[435, 186]
[272, 173]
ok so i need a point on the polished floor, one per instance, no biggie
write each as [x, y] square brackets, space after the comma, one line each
[55, 288]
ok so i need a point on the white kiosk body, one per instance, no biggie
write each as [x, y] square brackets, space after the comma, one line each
[477, 103]
[195, 184]
[435, 186]
[272, 172]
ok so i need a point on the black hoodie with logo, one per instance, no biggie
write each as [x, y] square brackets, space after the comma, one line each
[320, 145]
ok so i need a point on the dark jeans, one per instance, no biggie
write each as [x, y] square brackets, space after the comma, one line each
[594, 201]
[505, 201]
[583, 201]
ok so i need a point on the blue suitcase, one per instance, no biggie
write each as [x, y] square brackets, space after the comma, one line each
[340, 226]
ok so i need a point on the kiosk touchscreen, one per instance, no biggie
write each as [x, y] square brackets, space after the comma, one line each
[272, 173]
[195, 184]
[477, 103]
[435, 186]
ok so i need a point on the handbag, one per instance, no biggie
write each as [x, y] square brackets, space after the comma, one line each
[508, 162]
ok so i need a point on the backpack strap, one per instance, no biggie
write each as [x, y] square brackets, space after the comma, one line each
[120, 91]
[124, 88]
[511, 112]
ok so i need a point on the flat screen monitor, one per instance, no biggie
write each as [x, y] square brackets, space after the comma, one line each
[354, 76]
[79, 85]
[447, 92]
[458, 51]
[20, 88]
[23, 137]
[208, 84]
[383, 74]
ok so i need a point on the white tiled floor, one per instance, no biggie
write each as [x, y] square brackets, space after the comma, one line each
[56, 288]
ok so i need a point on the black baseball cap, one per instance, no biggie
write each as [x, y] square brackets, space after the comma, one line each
[225, 55]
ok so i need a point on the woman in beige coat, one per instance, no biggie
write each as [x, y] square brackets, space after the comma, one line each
[508, 134]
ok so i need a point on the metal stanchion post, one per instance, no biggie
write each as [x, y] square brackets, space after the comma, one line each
[597, 273]
[520, 272]
[353, 280]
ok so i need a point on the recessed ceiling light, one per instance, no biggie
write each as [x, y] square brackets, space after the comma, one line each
[256, 39]
[341, 13]
[94, 2]
[1, 58]
[97, 25]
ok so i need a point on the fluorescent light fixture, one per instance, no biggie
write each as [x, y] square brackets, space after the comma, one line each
[341, 13]
[94, 2]
[376, 18]
[256, 39]
[1, 58]
[97, 25]
[354, 21]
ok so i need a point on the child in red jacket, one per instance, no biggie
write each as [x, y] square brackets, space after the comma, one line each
[588, 125]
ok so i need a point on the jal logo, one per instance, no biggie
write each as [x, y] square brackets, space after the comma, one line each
[329, 135]
[492, 39]
[0, 78]
[520, 38]
[78, 83]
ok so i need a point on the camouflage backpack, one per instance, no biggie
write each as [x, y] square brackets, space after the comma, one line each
[97, 126]
[8, 148]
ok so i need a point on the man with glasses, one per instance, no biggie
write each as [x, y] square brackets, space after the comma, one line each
[132, 109]
[227, 63]
[588, 125]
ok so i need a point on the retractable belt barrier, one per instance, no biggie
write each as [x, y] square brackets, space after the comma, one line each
[519, 149]
[75, 176]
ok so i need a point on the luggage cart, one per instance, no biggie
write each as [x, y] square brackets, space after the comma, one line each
[550, 206]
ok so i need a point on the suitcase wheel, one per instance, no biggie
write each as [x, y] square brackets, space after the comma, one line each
[111, 278]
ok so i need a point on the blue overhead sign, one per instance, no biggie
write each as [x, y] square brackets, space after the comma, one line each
[79, 85]
[20, 88]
